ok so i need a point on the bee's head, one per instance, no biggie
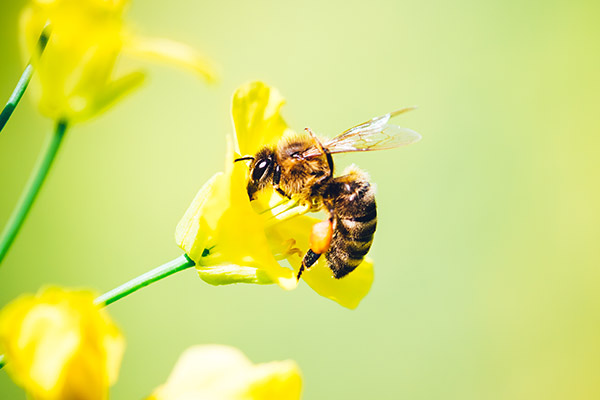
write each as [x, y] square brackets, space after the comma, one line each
[261, 171]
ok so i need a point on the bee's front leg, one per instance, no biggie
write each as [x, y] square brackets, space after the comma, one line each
[277, 179]
[320, 240]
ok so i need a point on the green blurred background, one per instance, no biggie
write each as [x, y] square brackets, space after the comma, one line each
[487, 252]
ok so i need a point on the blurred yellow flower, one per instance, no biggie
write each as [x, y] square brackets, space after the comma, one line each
[74, 74]
[60, 345]
[234, 240]
[214, 372]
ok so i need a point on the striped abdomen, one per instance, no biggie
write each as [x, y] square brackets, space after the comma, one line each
[352, 201]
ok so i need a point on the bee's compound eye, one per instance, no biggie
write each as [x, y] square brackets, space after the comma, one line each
[261, 167]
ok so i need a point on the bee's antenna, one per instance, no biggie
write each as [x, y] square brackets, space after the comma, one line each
[244, 158]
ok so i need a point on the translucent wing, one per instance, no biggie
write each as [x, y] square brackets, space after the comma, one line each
[376, 134]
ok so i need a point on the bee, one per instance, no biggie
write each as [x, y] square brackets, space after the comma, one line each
[301, 167]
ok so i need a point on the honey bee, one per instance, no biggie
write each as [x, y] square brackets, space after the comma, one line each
[301, 167]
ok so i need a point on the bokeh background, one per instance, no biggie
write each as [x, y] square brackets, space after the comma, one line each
[487, 252]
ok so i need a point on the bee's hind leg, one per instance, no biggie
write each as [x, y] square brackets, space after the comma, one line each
[320, 239]
[310, 258]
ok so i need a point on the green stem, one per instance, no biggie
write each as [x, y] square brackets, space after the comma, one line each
[32, 188]
[176, 265]
[2, 362]
[16, 95]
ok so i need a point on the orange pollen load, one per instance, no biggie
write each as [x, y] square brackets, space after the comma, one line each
[320, 236]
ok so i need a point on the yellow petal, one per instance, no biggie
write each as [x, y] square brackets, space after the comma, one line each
[224, 373]
[256, 117]
[198, 368]
[231, 273]
[166, 50]
[105, 5]
[347, 291]
[192, 232]
[74, 77]
[78, 60]
[60, 345]
[117, 89]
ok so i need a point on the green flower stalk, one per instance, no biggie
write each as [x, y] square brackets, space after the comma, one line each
[158, 273]
[32, 188]
[16, 95]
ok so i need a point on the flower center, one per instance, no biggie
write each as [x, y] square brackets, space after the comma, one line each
[275, 208]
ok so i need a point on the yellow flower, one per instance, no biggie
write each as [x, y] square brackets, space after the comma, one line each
[214, 372]
[234, 240]
[74, 74]
[60, 345]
